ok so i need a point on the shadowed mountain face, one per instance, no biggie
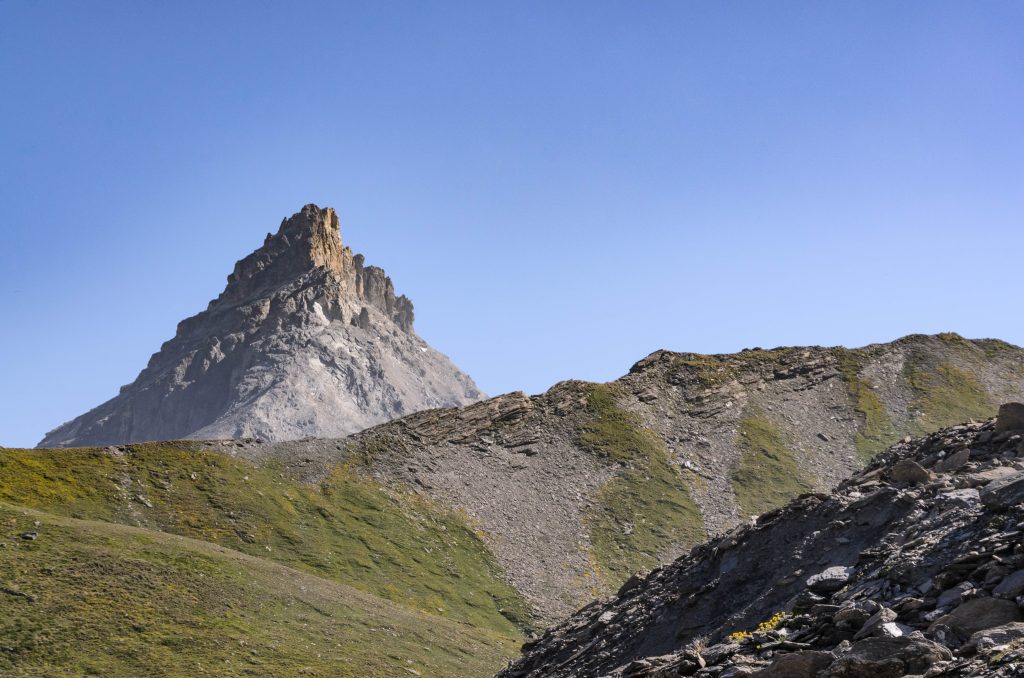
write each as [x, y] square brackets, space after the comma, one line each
[914, 566]
[305, 340]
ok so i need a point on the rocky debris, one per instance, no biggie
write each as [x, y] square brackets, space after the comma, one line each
[305, 340]
[885, 577]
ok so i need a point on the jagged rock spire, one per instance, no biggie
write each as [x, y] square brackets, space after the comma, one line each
[305, 340]
[307, 249]
[310, 239]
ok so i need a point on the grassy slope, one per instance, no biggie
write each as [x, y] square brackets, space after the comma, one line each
[946, 395]
[349, 529]
[876, 432]
[767, 476]
[102, 599]
[646, 508]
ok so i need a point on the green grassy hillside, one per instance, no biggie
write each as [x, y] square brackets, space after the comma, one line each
[89, 598]
[768, 475]
[348, 530]
[645, 509]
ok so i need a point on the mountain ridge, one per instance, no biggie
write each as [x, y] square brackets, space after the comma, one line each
[577, 488]
[516, 511]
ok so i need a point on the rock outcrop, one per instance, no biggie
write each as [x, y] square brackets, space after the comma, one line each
[895, 573]
[580, 487]
[305, 340]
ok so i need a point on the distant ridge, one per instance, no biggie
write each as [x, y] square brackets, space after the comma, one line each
[580, 487]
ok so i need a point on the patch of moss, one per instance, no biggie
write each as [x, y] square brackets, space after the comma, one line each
[102, 599]
[946, 395]
[767, 476]
[877, 431]
[349, 529]
[644, 510]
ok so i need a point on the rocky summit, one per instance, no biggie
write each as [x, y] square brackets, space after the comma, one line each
[305, 340]
[914, 566]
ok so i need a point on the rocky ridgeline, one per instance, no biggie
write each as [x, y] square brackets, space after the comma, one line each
[578, 488]
[912, 567]
[305, 340]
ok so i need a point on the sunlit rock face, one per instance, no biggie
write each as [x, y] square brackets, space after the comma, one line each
[305, 340]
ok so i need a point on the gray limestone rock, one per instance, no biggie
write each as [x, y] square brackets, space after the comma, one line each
[830, 580]
[305, 340]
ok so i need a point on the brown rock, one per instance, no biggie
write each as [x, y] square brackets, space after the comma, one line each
[909, 471]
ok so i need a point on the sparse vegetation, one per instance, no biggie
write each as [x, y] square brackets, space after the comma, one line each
[349, 529]
[767, 476]
[709, 370]
[647, 507]
[764, 627]
[876, 430]
[946, 395]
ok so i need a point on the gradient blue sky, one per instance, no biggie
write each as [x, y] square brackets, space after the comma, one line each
[560, 187]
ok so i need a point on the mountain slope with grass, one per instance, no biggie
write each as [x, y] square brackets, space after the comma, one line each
[513, 512]
[912, 567]
[91, 598]
[577, 488]
[148, 549]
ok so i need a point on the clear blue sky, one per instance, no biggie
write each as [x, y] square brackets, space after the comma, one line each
[560, 187]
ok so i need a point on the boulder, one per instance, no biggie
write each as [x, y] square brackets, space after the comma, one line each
[830, 580]
[995, 637]
[979, 614]
[955, 595]
[1004, 493]
[887, 658]
[1010, 417]
[1011, 586]
[909, 471]
[875, 622]
[991, 475]
[953, 461]
[803, 664]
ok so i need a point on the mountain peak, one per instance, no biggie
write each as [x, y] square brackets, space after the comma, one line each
[305, 260]
[304, 340]
[307, 241]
